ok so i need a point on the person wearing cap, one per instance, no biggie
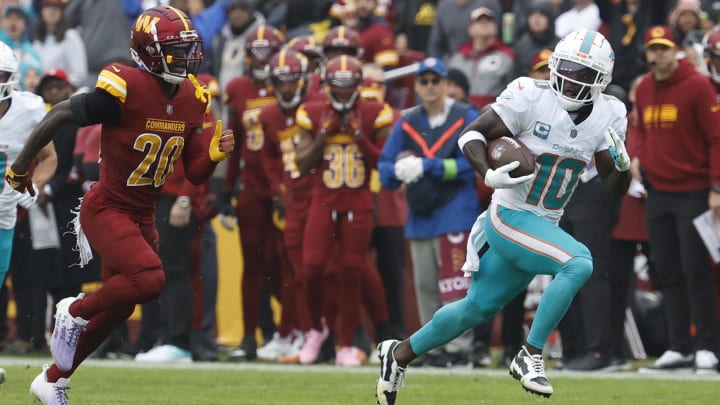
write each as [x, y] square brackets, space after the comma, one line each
[540, 69]
[422, 155]
[677, 160]
[61, 47]
[485, 59]
[13, 32]
[450, 29]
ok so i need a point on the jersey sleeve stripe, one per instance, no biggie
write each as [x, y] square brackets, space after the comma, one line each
[387, 58]
[303, 120]
[113, 84]
[385, 117]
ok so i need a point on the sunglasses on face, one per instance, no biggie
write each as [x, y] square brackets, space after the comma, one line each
[424, 82]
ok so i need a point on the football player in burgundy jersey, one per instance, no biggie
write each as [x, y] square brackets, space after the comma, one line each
[151, 114]
[341, 139]
[288, 75]
[245, 96]
[308, 46]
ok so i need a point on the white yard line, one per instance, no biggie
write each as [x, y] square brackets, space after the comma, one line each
[324, 368]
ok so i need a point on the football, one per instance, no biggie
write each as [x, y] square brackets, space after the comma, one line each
[504, 150]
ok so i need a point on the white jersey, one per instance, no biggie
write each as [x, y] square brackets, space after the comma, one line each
[562, 149]
[25, 112]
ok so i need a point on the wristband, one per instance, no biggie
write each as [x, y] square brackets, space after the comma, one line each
[471, 135]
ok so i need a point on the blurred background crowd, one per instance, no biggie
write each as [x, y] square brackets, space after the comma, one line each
[480, 46]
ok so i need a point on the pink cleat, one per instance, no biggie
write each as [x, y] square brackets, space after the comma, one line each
[313, 342]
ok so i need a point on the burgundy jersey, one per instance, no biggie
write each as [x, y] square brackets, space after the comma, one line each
[316, 90]
[378, 44]
[281, 139]
[246, 99]
[138, 153]
[344, 171]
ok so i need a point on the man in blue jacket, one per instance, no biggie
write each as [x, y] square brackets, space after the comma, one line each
[421, 153]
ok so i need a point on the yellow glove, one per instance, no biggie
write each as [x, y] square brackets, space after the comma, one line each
[222, 143]
[201, 92]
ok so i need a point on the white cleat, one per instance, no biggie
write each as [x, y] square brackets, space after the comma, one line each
[66, 333]
[50, 393]
[529, 369]
[277, 347]
[392, 376]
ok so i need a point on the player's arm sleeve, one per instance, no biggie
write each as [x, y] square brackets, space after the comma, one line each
[197, 163]
[272, 161]
[386, 162]
[95, 107]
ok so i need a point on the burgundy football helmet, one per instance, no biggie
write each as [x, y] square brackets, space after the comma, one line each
[343, 77]
[341, 40]
[288, 73]
[712, 53]
[308, 46]
[164, 42]
[260, 45]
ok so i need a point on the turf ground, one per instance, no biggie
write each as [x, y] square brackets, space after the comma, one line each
[124, 382]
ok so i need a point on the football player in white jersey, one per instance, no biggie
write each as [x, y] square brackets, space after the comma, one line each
[565, 122]
[19, 114]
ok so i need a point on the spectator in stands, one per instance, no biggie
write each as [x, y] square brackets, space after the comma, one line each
[451, 25]
[539, 33]
[440, 190]
[687, 26]
[229, 45]
[627, 21]
[458, 86]
[584, 15]
[13, 32]
[376, 36]
[60, 47]
[103, 33]
[485, 59]
[30, 75]
[413, 22]
[678, 149]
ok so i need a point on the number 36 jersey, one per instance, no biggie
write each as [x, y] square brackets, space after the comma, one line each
[137, 154]
[530, 110]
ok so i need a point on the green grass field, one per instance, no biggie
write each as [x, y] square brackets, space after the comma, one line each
[122, 382]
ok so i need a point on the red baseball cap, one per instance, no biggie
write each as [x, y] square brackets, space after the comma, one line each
[56, 73]
[660, 35]
[541, 59]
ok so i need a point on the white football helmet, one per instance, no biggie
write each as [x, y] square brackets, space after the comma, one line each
[8, 71]
[580, 68]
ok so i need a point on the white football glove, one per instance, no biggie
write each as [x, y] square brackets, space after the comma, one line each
[500, 177]
[409, 169]
[26, 200]
[616, 147]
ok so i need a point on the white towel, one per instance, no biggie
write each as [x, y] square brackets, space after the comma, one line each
[476, 241]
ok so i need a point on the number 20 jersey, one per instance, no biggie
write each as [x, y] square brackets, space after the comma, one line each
[530, 110]
[138, 153]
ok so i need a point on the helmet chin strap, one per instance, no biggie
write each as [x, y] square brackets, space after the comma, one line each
[342, 107]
